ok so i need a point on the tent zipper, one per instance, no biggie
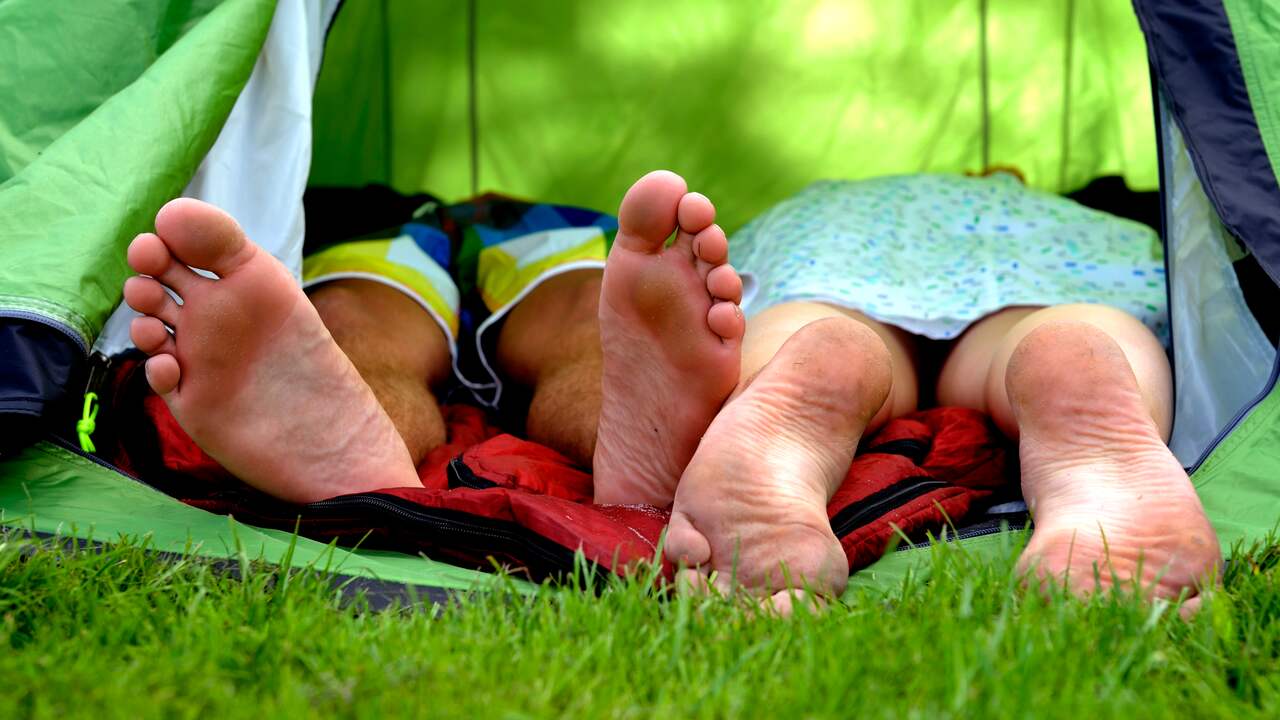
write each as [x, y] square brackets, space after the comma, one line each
[398, 508]
[1162, 112]
[1240, 416]
[406, 514]
[65, 329]
[989, 527]
[99, 369]
[843, 524]
[75, 450]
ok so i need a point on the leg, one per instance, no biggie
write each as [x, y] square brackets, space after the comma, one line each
[751, 506]
[975, 371]
[550, 343]
[770, 330]
[397, 348]
[250, 372]
[1087, 390]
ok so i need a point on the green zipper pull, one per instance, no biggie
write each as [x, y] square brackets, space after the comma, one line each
[86, 425]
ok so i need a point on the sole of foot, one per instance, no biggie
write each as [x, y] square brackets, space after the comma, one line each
[671, 335]
[1112, 505]
[247, 367]
[751, 509]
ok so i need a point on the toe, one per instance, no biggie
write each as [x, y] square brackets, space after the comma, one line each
[692, 581]
[149, 297]
[162, 373]
[725, 319]
[685, 545]
[1190, 607]
[723, 283]
[695, 212]
[149, 255]
[711, 246]
[202, 236]
[151, 336]
[647, 216]
[786, 602]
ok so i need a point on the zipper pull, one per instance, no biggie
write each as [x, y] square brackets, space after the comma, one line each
[86, 424]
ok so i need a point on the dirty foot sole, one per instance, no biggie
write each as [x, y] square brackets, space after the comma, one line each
[1111, 503]
[751, 509]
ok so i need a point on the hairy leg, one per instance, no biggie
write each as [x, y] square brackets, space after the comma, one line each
[550, 342]
[397, 347]
[1087, 391]
[751, 507]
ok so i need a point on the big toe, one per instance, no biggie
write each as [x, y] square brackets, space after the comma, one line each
[649, 211]
[202, 236]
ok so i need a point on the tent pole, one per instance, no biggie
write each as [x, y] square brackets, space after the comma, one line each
[1067, 62]
[387, 120]
[984, 85]
[473, 113]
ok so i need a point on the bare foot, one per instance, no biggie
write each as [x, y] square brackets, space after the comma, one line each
[1108, 497]
[752, 506]
[671, 333]
[250, 372]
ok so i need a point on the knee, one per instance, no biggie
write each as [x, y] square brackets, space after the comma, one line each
[855, 344]
[579, 302]
[556, 323]
[340, 307]
[881, 350]
[1049, 349]
[1141, 348]
[1111, 320]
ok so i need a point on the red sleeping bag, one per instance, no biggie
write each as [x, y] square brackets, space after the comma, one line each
[491, 497]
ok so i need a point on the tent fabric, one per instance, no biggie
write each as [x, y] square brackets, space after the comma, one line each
[1202, 75]
[88, 158]
[100, 123]
[1238, 481]
[570, 102]
[1213, 65]
[40, 363]
[52, 490]
[1222, 359]
[267, 137]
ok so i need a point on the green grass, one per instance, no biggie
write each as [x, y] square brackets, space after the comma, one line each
[119, 633]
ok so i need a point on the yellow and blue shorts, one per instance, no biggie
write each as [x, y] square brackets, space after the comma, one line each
[466, 264]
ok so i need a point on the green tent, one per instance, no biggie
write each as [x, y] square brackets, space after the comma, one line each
[109, 110]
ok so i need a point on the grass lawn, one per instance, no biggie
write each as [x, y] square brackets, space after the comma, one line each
[120, 633]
